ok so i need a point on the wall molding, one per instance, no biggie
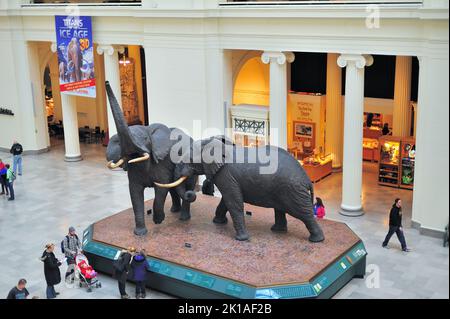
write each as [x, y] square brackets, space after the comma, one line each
[430, 232]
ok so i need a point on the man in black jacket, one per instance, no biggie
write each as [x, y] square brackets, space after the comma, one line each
[395, 225]
[122, 268]
[16, 151]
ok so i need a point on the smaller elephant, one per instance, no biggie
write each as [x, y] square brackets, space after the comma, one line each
[237, 172]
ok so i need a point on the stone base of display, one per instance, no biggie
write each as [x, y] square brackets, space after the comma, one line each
[199, 259]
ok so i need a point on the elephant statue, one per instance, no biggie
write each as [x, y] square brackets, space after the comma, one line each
[238, 173]
[144, 152]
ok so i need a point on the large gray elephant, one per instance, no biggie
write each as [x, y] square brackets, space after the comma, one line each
[143, 151]
[239, 174]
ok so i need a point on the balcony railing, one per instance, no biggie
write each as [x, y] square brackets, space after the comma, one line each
[315, 2]
[84, 2]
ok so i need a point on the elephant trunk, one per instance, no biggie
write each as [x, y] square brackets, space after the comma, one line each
[128, 144]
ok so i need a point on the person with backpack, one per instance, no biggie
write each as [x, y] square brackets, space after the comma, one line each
[140, 267]
[121, 269]
[69, 247]
[16, 151]
[51, 270]
[10, 178]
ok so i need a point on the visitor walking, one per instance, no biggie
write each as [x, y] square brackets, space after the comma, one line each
[51, 270]
[3, 171]
[10, 177]
[121, 269]
[16, 151]
[140, 267]
[70, 246]
[319, 208]
[395, 225]
[19, 291]
[385, 130]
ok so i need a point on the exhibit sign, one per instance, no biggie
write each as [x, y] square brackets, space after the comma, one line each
[75, 55]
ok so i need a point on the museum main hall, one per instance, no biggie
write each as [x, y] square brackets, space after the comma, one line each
[321, 129]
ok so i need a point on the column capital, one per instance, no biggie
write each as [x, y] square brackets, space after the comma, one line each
[53, 47]
[277, 56]
[109, 49]
[360, 60]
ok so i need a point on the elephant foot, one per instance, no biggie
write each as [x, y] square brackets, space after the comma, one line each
[175, 208]
[279, 228]
[316, 237]
[242, 237]
[158, 218]
[140, 231]
[185, 216]
[220, 221]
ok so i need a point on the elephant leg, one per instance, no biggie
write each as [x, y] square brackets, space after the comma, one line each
[185, 210]
[137, 199]
[280, 225]
[235, 204]
[176, 201]
[221, 212]
[158, 205]
[306, 215]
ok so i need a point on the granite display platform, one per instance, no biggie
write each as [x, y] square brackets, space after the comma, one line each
[200, 259]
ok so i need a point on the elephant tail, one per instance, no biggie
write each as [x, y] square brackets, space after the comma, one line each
[311, 191]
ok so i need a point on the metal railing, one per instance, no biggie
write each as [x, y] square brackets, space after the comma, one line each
[315, 2]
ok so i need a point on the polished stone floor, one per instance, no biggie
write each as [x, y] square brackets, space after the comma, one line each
[53, 195]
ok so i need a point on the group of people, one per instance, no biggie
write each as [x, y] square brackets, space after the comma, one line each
[7, 174]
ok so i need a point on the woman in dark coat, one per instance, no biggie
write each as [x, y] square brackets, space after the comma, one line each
[121, 269]
[51, 270]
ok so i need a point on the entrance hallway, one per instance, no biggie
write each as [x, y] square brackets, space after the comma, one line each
[53, 195]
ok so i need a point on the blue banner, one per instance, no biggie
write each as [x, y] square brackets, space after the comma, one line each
[75, 55]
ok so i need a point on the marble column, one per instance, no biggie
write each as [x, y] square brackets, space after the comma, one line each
[112, 74]
[278, 94]
[335, 111]
[353, 132]
[402, 97]
[70, 122]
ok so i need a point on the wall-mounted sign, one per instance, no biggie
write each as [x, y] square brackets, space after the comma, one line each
[75, 55]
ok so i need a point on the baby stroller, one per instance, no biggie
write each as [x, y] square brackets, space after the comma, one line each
[86, 273]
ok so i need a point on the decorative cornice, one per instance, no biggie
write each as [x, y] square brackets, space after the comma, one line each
[276, 56]
[360, 60]
[109, 49]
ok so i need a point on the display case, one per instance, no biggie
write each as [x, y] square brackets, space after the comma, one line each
[397, 161]
[408, 156]
[389, 149]
[317, 167]
[370, 149]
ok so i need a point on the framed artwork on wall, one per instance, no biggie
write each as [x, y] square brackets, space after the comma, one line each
[305, 134]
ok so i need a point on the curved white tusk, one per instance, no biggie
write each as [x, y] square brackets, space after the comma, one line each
[112, 165]
[172, 185]
[140, 159]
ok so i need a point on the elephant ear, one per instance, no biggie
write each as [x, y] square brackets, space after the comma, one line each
[214, 156]
[160, 141]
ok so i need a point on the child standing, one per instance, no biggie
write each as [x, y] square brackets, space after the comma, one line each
[140, 267]
[319, 208]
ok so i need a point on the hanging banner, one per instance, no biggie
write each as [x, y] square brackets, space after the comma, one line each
[75, 55]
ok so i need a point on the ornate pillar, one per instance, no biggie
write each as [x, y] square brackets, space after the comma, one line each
[278, 94]
[70, 123]
[335, 112]
[353, 132]
[402, 97]
[112, 74]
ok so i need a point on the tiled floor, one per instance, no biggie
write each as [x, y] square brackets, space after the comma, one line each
[53, 194]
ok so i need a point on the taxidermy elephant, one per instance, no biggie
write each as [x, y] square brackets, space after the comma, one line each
[74, 59]
[143, 151]
[239, 175]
